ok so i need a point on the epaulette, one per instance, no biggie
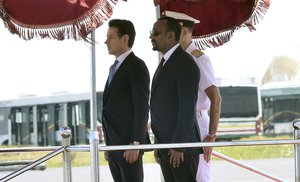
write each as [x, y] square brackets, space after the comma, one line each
[197, 53]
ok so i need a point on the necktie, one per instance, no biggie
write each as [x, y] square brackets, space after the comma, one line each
[160, 66]
[112, 71]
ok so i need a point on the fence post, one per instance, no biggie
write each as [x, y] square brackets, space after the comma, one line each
[65, 133]
[296, 126]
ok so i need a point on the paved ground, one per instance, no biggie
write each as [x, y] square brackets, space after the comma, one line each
[222, 171]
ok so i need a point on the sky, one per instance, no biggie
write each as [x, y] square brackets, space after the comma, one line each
[248, 54]
[44, 67]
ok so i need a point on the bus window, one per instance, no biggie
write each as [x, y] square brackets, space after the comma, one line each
[78, 122]
[240, 112]
[239, 102]
[4, 133]
[20, 126]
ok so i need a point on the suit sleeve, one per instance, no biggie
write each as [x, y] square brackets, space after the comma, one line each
[187, 89]
[139, 85]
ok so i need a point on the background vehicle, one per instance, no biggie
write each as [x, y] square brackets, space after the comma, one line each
[240, 112]
[37, 120]
[281, 105]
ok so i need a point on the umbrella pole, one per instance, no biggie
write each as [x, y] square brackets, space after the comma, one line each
[94, 138]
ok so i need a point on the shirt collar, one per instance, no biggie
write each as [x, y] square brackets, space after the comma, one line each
[170, 52]
[122, 57]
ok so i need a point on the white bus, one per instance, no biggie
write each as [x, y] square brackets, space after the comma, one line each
[241, 112]
[36, 120]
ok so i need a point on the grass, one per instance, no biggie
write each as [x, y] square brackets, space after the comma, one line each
[258, 152]
[237, 152]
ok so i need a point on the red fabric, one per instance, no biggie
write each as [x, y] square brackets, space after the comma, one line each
[46, 12]
[214, 15]
[55, 19]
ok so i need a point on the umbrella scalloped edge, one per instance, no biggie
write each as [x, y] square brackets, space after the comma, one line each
[78, 28]
[219, 38]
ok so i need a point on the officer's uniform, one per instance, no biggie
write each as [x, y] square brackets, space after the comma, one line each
[207, 79]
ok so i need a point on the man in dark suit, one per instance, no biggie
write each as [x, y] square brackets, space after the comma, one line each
[172, 104]
[125, 103]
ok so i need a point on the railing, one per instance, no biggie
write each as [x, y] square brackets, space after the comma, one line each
[67, 149]
[246, 166]
[30, 165]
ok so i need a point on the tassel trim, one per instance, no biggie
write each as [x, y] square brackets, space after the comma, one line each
[219, 38]
[78, 28]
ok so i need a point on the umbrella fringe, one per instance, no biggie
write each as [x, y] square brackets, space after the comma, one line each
[78, 28]
[219, 38]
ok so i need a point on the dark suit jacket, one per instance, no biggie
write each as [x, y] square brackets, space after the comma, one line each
[125, 103]
[173, 100]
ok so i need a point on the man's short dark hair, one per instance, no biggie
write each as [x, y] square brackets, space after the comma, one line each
[124, 27]
[172, 26]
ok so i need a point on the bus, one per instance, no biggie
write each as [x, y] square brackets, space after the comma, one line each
[241, 112]
[36, 120]
[281, 105]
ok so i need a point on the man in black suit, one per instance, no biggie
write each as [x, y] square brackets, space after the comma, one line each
[125, 103]
[172, 104]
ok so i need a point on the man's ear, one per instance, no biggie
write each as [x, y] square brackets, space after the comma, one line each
[171, 35]
[125, 39]
[184, 31]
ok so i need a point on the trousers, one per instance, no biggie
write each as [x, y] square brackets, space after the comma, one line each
[204, 168]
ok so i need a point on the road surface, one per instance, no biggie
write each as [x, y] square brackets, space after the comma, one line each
[222, 171]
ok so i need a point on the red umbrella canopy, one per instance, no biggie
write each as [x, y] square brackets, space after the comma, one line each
[56, 19]
[218, 18]
[60, 19]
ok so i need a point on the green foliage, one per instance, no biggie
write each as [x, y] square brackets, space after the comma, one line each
[258, 152]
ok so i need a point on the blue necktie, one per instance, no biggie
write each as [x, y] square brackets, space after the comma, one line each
[112, 71]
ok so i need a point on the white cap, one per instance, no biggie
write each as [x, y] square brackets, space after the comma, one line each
[186, 20]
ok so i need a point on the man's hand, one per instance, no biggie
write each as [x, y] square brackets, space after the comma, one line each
[176, 157]
[131, 155]
[106, 155]
[208, 150]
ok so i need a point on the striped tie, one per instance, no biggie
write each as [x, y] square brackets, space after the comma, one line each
[160, 66]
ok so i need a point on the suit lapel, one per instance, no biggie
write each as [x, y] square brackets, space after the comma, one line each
[117, 75]
[166, 66]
